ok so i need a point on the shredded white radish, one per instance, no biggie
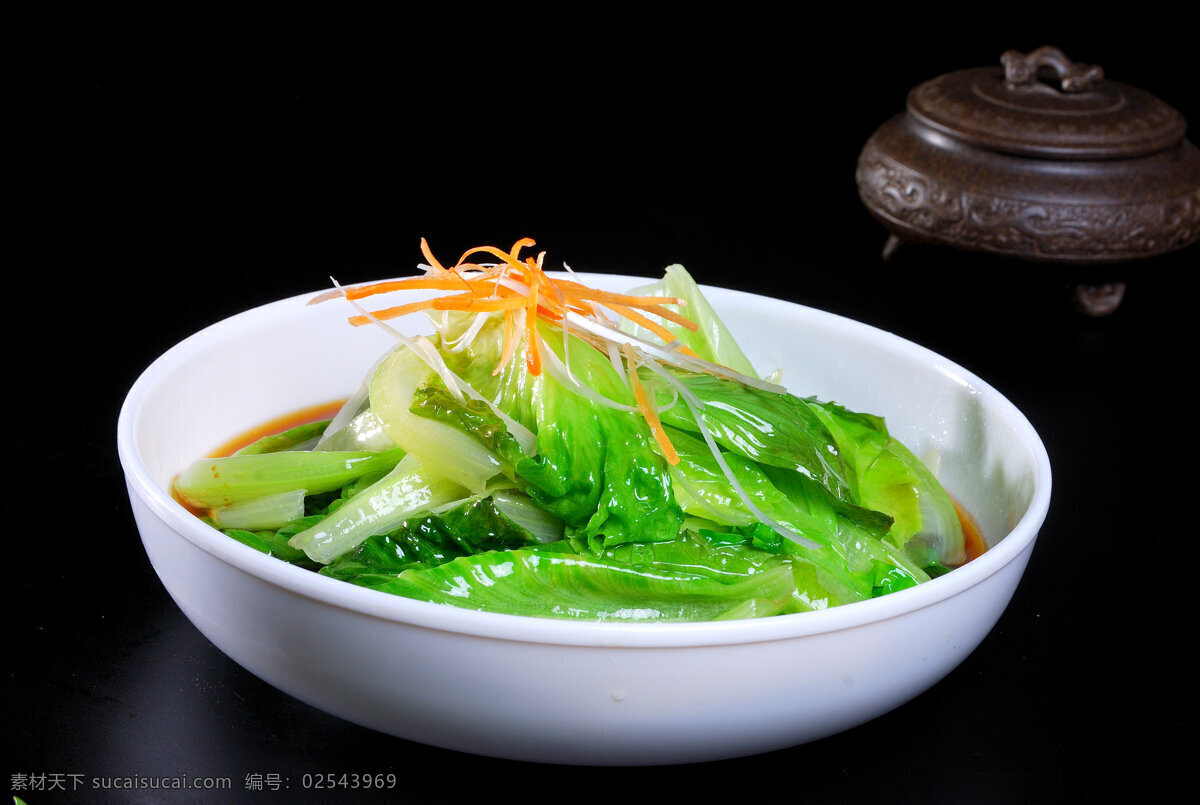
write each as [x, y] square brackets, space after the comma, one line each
[559, 371]
[345, 414]
[420, 345]
[614, 357]
[424, 349]
[464, 340]
[679, 359]
[519, 326]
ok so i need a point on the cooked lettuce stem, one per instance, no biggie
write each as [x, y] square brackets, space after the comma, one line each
[301, 437]
[217, 482]
[269, 512]
[409, 489]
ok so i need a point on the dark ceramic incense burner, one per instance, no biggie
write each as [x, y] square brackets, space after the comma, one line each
[1038, 158]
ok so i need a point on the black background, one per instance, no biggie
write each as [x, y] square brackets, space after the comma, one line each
[169, 179]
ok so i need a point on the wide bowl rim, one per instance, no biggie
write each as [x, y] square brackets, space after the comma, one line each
[610, 635]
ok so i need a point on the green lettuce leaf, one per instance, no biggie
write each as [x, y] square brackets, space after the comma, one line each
[597, 468]
[891, 479]
[431, 540]
[547, 582]
[847, 552]
[763, 426]
[291, 439]
[773, 430]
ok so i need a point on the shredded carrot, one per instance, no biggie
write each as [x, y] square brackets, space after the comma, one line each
[654, 327]
[508, 257]
[392, 312]
[447, 283]
[521, 244]
[533, 360]
[672, 316]
[524, 293]
[474, 304]
[425, 250]
[604, 297]
[513, 285]
[647, 408]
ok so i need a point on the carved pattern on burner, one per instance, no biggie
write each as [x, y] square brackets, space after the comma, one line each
[1037, 229]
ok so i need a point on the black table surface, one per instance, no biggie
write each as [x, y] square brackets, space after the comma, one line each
[172, 192]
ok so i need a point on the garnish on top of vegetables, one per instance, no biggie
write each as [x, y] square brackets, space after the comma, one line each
[562, 451]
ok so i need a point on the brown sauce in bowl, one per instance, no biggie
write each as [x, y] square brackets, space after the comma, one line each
[973, 541]
[303, 416]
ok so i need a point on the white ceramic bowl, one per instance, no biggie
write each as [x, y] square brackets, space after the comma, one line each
[560, 691]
